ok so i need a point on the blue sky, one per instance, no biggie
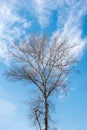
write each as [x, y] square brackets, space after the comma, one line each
[17, 20]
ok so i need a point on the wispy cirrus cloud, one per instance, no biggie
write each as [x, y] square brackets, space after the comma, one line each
[70, 19]
[43, 11]
[16, 18]
[71, 14]
[12, 26]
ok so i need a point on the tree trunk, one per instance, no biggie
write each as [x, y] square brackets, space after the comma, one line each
[45, 114]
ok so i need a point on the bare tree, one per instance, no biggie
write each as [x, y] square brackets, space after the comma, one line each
[47, 64]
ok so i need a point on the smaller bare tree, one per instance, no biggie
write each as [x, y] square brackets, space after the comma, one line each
[47, 64]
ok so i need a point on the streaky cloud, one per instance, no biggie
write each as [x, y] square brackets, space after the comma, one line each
[69, 24]
[16, 18]
[12, 26]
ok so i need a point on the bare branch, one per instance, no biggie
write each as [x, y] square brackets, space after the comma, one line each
[46, 64]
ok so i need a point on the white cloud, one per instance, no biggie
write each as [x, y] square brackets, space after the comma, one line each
[70, 15]
[3, 55]
[42, 9]
[70, 18]
[14, 20]
[12, 26]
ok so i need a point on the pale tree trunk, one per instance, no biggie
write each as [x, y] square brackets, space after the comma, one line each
[45, 114]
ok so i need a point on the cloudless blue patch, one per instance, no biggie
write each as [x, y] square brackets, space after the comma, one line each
[35, 28]
[84, 27]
